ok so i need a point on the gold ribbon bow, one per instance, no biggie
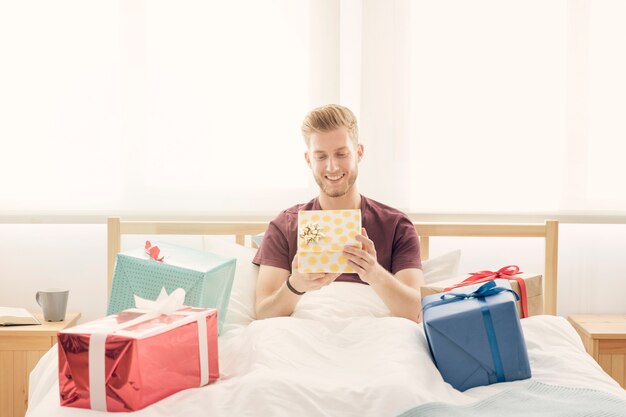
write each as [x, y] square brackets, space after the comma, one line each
[312, 232]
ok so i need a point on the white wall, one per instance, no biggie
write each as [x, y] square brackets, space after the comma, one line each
[592, 263]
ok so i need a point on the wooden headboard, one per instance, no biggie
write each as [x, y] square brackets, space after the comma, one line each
[549, 231]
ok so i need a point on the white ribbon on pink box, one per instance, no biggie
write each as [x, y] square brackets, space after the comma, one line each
[164, 304]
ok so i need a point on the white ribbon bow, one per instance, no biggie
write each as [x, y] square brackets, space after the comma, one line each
[164, 304]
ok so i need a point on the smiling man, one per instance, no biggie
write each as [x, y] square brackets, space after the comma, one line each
[389, 257]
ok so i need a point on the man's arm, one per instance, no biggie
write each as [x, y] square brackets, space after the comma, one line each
[274, 298]
[399, 292]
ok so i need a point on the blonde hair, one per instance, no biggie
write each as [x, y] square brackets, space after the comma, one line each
[327, 118]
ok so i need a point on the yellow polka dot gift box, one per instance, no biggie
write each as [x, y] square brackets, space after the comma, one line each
[322, 234]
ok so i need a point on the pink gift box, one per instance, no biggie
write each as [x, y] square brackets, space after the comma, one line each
[108, 365]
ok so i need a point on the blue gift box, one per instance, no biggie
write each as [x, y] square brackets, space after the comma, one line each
[475, 335]
[207, 278]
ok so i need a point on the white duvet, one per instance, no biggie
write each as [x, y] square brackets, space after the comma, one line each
[339, 355]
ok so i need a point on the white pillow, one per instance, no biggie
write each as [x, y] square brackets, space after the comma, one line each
[241, 306]
[257, 239]
[441, 267]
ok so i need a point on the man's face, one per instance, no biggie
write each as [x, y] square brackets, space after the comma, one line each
[334, 161]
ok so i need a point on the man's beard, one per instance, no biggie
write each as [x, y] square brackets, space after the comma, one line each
[338, 192]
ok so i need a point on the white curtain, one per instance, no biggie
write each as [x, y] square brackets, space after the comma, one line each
[495, 106]
[488, 106]
[160, 106]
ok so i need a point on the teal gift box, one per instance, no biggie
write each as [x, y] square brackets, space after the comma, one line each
[207, 278]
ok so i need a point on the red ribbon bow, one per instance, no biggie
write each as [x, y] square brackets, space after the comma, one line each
[153, 251]
[506, 272]
[503, 272]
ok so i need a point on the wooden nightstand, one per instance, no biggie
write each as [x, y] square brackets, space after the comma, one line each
[21, 347]
[604, 337]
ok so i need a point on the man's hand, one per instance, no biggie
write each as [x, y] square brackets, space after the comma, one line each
[400, 292]
[308, 282]
[363, 260]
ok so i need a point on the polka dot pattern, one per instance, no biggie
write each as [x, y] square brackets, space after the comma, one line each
[340, 228]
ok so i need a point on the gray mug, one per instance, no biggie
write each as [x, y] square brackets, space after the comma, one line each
[53, 302]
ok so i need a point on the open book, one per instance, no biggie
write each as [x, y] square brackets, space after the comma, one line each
[10, 316]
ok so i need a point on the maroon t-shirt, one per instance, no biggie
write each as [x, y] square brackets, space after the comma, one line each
[394, 236]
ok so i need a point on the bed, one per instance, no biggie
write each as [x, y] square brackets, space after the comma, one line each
[341, 354]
